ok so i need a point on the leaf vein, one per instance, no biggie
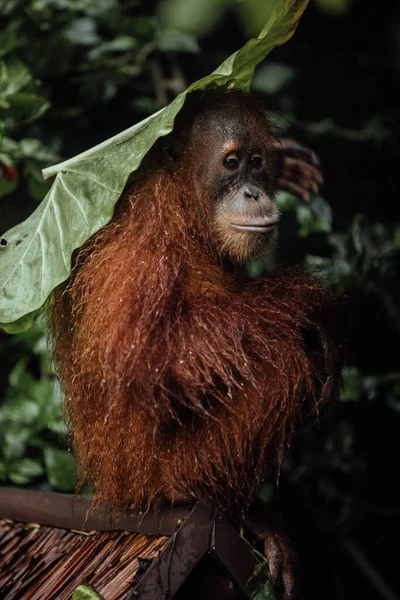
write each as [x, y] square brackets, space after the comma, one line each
[61, 233]
[68, 191]
[93, 178]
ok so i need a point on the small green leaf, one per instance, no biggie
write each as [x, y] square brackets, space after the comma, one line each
[8, 6]
[334, 8]
[322, 211]
[19, 373]
[259, 586]
[27, 107]
[145, 105]
[82, 32]
[121, 43]
[352, 385]
[305, 218]
[141, 27]
[40, 390]
[286, 201]
[22, 471]
[7, 187]
[272, 78]
[60, 469]
[176, 41]
[266, 492]
[9, 37]
[14, 76]
[314, 218]
[13, 442]
[19, 410]
[191, 16]
[34, 149]
[8, 147]
[82, 592]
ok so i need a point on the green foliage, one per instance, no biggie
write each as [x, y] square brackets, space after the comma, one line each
[361, 261]
[259, 587]
[33, 437]
[85, 50]
[357, 386]
[60, 469]
[82, 592]
[272, 78]
[199, 18]
[20, 105]
[190, 16]
[315, 217]
[335, 8]
[366, 256]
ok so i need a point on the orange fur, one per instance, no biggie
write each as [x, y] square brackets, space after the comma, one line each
[179, 381]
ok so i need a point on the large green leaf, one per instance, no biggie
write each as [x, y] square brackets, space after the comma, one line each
[35, 256]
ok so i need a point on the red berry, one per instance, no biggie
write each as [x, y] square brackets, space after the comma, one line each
[8, 172]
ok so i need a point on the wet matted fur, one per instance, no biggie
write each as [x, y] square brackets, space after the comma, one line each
[179, 380]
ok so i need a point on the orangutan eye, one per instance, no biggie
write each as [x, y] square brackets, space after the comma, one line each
[256, 161]
[231, 162]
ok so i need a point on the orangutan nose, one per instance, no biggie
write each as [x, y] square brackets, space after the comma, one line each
[250, 192]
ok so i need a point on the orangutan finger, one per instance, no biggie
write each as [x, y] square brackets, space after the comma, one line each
[302, 181]
[288, 578]
[292, 148]
[274, 556]
[290, 592]
[300, 166]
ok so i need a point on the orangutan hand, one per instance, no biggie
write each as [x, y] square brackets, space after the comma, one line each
[282, 565]
[267, 526]
[301, 173]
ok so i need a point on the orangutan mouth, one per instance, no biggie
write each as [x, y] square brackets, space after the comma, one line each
[265, 227]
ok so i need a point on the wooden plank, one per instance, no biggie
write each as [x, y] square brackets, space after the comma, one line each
[185, 549]
[71, 512]
[233, 554]
[203, 532]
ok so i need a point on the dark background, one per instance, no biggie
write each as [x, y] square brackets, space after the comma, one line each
[98, 67]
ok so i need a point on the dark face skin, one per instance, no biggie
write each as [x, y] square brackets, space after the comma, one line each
[235, 156]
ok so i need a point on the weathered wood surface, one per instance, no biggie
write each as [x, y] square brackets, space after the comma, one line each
[71, 512]
[48, 563]
[44, 554]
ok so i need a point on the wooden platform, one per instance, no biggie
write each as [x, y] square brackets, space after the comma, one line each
[47, 563]
[48, 547]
